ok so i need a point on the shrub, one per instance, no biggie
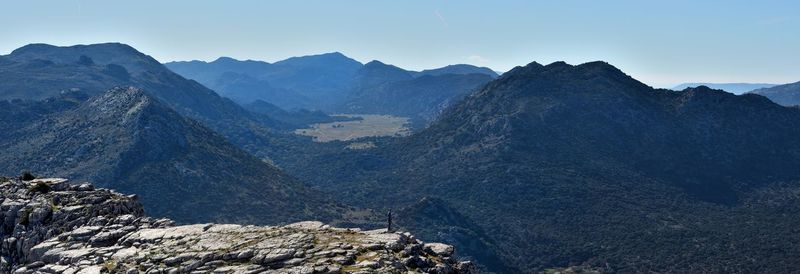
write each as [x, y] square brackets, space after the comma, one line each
[27, 176]
[25, 218]
[40, 187]
[110, 265]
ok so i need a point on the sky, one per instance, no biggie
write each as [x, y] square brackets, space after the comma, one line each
[661, 43]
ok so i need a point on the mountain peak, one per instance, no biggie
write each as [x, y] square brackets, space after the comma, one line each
[605, 69]
[225, 59]
[101, 54]
[32, 47]
[334, 54]
[598, 72]
[377, 72]
[374, 63]
[378, 65]
[601, 65]
[701, 88]
[459, 69]
[735, 88]
[530, 67]
[325, 59]
[41, 48]
[559, 64]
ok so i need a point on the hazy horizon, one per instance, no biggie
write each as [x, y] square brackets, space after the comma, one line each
[670, 43]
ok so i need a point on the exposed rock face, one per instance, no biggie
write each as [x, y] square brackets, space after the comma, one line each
[50, 226]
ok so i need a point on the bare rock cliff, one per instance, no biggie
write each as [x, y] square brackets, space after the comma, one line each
[51, 226]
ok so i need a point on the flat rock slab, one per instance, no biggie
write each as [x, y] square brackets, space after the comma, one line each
[101, 231]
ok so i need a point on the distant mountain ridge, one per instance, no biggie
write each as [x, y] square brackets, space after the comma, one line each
[787, 95]
[545, 168]
[101, 54]
[298, 82]
[459, 69]
[34, 78]
[47, 70]
[315, 82]
[376, 72]
[735, 88]
[386, 89]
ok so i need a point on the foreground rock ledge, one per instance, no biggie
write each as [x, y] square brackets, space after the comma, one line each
[51, 226]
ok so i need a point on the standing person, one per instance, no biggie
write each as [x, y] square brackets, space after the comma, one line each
[390, 221]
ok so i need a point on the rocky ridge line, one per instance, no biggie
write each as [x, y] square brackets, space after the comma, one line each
[51, 226]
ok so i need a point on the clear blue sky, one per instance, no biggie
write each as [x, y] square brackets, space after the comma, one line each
[659, 42]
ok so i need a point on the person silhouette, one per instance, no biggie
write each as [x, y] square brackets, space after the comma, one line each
[389, 229]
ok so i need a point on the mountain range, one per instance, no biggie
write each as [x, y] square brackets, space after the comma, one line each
[563, 166]
[553, 167]
[125, 139]
[39, 71]
[735, 88]
[335, 83]
[313, 82]
[787, 95]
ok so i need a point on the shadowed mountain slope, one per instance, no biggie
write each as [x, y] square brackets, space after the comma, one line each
[126, 140]
[787, 95]
[583, 165]
[47, 70]
[29, 76]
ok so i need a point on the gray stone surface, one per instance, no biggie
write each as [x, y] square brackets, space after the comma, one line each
[79, 229]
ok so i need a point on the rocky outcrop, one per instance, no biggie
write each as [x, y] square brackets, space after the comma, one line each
[51, 226]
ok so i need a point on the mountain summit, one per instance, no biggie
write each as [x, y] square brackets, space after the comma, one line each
[47, 70]
[128, 140]
[568, 165]
[459, 69]
[101, 54]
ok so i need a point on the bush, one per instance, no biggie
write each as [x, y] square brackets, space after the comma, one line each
[40, 187]
[25, 218]
[27, 176]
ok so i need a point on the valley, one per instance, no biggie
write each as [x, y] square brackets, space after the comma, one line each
[414, 137]
[363, 125]
[588, 164]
